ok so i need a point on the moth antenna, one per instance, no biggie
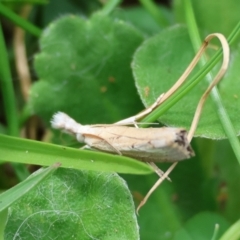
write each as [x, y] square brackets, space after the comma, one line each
[221, 72]
[133, 120]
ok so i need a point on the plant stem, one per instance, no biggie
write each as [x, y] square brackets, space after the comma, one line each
[9, 101]
[155, 12]
[19, 21]
[216, 231]
[110, 6]
[7, 89]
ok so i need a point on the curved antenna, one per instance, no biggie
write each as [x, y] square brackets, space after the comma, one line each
[221, 72]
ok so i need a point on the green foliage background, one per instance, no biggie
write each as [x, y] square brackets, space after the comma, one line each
[100, 64]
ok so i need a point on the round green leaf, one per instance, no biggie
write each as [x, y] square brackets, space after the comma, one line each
[84, 70]
[75, 205]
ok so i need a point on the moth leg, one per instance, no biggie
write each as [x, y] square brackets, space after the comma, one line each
[157, 170]
[155, 186]
[133, 120]
[85, 147]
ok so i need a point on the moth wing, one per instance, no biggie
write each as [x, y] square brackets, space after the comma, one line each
[98, 142]
[164, 145]
[152, 144]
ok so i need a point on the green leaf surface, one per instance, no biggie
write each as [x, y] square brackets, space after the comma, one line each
[3, 129]
[141, 19]
[75, 205]
[33, 152]
[201, 226]
[157, 65]
[12, 2]
[54, 9]
[13, 194]
[228, 177]
[84, 70]
[3, 217]
[159, 218]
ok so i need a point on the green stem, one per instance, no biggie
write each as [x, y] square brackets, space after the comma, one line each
[215, 233]
[7, 89]
[155, 12]
[222, 113]
[19, 21]
[110, 6]
[9, 102]
[234, 34]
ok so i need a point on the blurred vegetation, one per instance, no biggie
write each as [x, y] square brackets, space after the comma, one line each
[102, 61]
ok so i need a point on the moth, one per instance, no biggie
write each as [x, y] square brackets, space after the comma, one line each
[164, 144]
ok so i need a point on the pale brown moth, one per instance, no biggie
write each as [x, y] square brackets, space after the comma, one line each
[145, 144]
[150, 145]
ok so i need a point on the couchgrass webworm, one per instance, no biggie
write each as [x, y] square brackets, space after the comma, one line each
[150, 145]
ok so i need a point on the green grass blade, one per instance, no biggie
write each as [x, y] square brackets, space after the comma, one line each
[109, 6]
[6, 86]
[155, 12]
[13, 194]
[19, 21]
[7, 89]
[33, 152]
